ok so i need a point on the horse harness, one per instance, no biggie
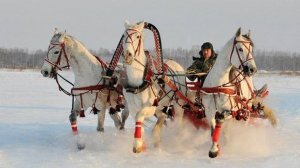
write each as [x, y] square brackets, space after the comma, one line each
[85, 89]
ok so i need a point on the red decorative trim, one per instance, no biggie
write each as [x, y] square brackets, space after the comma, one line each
[74, 127]
[138, 130]
[217, 90]
[216, 133]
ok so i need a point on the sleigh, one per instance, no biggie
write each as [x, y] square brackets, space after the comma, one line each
[155, 81]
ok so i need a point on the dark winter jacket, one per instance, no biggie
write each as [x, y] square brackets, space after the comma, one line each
[200, 65]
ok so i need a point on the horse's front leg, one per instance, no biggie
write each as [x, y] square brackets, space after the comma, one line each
[73, 120]
[216, 125]
[124, 115]
[139, 144]
[116, 117]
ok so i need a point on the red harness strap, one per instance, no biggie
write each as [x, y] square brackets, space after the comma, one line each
[89, 88]
[179, 93]
[103, 64]
[217, 90]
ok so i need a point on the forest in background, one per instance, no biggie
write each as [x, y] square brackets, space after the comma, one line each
[16, 58]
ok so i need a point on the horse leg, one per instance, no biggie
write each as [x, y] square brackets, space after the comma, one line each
[115, 116]
[101, 117]
[215, 148]
[157, 129]
[266, 110]
[125, 114]
[138, 144]
[216, 125]
[73, 121]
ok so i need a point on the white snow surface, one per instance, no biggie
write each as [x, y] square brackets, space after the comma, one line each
[35, 132]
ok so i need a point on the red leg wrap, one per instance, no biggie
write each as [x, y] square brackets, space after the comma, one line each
[138, 130]
[74, 128]
[216, 133]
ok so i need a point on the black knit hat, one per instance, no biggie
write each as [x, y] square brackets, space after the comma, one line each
[207, 45]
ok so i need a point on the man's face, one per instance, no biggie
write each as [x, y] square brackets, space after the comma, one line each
[206, 53]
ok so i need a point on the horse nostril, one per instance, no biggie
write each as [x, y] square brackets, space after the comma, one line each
[45, 73]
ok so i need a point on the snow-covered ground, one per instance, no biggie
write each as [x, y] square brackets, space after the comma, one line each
[35, 132]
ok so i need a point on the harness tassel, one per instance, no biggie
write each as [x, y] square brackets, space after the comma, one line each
[112, 111]
[95, 110]
[81, 114]
[155, 102]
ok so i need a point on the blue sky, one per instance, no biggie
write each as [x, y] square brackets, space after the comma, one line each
[29, 24]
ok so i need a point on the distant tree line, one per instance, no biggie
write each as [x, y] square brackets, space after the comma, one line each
[265, 60]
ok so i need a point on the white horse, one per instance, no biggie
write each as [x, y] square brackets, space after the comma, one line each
[141, 88]
[88, 87]
[220, 102]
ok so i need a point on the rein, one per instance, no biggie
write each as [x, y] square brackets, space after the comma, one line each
[60, 88]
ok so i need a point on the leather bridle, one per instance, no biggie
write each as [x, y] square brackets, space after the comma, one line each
[62, 52]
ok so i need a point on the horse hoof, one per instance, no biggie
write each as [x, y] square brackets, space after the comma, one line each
[122, 128]
[80, 146]
[100, 129]
[213, 154]
[137, 150]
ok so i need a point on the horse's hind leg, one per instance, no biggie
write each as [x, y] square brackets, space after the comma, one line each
[157, 129]
[267, 111]
[101, 117]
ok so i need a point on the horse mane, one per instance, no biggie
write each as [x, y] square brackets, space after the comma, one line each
[56, 37]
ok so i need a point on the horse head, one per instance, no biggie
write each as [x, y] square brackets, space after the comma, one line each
[57, 56]
[133, 41]
[241, 54]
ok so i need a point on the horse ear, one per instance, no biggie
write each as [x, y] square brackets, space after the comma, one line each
[55, 31]
[141, 24]
[126, 24]
[248, 34]
[238, 33]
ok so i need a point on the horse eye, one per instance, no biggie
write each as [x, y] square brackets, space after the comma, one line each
[241, 50]
[138, 36]
[56, 52]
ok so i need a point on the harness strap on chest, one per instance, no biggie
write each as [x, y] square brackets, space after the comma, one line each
[147, 77]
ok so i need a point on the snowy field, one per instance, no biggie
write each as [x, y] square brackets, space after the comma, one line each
[35, 132]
